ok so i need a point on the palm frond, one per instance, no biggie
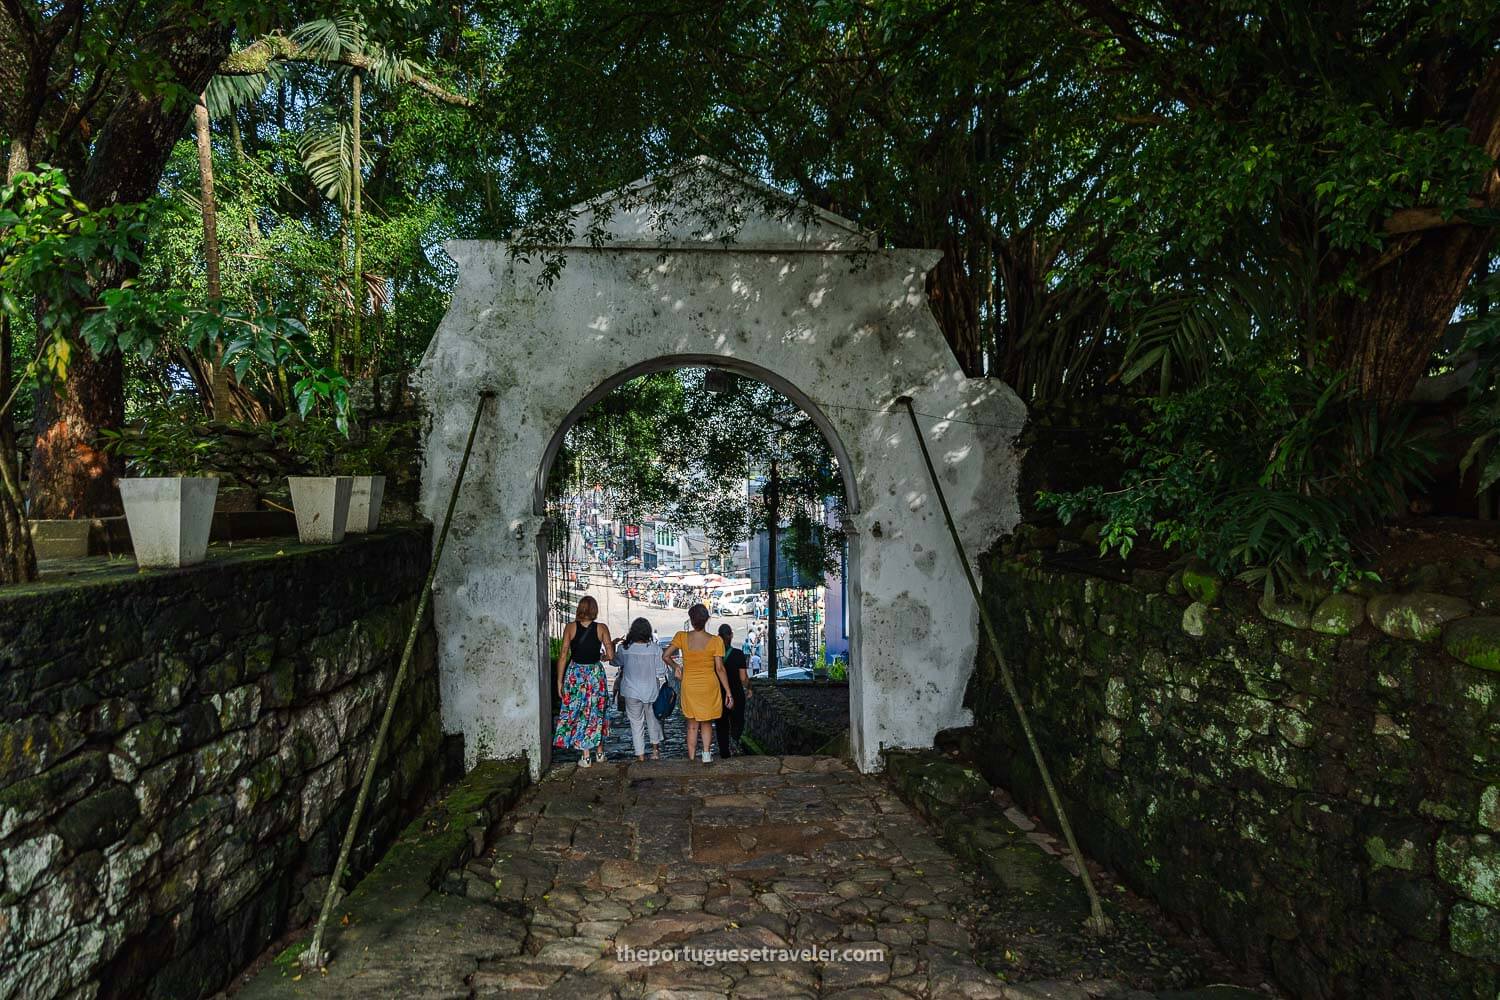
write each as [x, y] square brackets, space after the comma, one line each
[1181, 336]
[387, 70]
[226, 94]
[328, 156]
[329, 38]
[378, 288]
[1186, 331]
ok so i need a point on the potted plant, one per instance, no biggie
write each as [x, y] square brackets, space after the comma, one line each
[320, 499]
[168, 509]
[364, 463]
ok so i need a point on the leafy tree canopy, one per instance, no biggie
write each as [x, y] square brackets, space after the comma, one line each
[680, 446]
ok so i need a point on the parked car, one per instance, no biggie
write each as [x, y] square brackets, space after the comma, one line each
[734, 604]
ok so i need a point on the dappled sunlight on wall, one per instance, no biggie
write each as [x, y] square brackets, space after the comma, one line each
[842, 335]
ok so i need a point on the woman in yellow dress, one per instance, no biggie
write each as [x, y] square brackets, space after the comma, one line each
[705, 686]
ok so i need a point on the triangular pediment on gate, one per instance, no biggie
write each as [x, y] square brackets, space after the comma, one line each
[705, 205]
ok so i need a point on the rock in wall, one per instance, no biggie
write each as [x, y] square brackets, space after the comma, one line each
[1327, 805]
[180, 751]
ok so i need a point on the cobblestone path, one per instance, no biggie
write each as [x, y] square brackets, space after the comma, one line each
[779, 854]
[730, 864]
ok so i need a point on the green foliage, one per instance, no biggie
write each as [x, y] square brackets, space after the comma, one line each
[168, 442]
[676, 446]
[1478, 335]
[53, 250]
[1073, 161]
[838, 669]
[1126, 194]
[1206, 321]
[1265, 470]
[1315, 118]
[318, 444]
[173, 439]
[377, 450]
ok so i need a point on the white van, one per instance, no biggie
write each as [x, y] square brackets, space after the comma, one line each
[729, 588]
[736, 604]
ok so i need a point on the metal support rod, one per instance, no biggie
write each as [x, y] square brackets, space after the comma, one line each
[773, 515]
[1097, 923]
[315, 956]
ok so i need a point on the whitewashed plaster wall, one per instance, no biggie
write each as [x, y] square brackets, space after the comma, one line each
[844, 336]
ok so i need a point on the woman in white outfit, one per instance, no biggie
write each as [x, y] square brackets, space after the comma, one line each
[642, 674]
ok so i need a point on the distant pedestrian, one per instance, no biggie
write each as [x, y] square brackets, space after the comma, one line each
[705, 688]
[642, 673]
[732, 726]
[581, 688]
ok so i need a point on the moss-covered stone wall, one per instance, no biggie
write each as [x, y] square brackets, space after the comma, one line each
[1325, 805]
[179, 755]
[798, 717]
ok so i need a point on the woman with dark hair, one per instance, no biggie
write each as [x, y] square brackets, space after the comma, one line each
[642, 674]
[705, 688]
[737, 669]
[580, 683]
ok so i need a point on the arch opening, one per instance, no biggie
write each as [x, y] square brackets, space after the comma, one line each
[719, 362]
[627, 589]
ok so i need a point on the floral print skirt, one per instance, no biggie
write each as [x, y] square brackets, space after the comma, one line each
[583, 722]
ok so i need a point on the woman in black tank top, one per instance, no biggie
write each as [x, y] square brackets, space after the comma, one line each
[580, 683]
[586, 645]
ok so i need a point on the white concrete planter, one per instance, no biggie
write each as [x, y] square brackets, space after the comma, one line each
[321, 504]
[169, 518]
[364, 504]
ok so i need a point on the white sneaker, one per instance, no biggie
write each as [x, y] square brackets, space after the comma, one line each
[708, 758]
[585, 762]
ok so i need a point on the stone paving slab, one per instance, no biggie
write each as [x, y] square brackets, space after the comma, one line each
[763, 877]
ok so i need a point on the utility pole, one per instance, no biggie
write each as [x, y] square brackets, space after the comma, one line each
[772, 510]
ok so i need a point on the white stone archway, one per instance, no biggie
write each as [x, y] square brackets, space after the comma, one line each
[798, 299]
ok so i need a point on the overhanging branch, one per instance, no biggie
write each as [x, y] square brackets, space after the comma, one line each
[1420, 218]
[276, 47]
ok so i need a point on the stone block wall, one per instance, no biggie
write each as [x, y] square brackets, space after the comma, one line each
[797, 717]
[180, 751]
[1327, 806]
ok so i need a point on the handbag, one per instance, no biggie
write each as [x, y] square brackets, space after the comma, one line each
[666, 701]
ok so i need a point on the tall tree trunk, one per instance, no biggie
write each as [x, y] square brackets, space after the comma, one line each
[17, 556]
[204, 139]
[356, 186]
[239, 157]
[955, 304]
[1386, 339]
[222, 404]
[71, 476]
[71, 473]
[1022, 290]
[337, 324]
